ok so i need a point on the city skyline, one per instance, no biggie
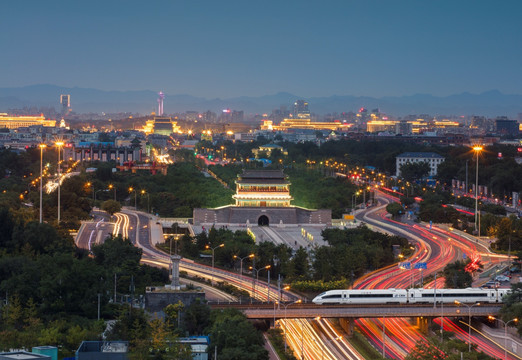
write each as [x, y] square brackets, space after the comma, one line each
[232, 48]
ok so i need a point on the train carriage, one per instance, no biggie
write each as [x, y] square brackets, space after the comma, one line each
[411, 296]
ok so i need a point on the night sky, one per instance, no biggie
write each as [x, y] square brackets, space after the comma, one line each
[233, 48]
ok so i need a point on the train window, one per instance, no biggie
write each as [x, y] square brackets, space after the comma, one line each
[371, 295]
[334, 296]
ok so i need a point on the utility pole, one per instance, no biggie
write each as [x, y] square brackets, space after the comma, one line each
[99, 296]
[467, 177]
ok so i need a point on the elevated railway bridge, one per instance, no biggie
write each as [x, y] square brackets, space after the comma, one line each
[294, 311]
[421, 314]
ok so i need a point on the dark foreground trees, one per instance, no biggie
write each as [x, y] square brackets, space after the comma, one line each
[51, 287]
[456, 277]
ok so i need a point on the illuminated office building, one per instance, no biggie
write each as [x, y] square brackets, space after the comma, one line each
[65, 101]
[301, 109]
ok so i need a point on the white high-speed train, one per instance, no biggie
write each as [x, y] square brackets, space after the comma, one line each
[411, 296]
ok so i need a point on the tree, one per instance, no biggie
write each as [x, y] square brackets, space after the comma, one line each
[300, 263]
[172, 315]
[395, 209]
[456, 277]
[196, 318]
[235, 337]
[117, 253]
[111, 206]
[512, 308]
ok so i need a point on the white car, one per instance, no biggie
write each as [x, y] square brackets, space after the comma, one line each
[501, 278]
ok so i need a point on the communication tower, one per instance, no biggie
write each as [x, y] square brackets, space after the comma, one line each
[160, 103]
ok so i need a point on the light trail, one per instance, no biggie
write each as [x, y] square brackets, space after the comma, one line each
[121, 225]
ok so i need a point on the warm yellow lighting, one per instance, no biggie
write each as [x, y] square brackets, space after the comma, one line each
[478, 148]
[59, 143]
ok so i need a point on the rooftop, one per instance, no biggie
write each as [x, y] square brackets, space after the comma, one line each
[22, 355]
[262, 174]
[424, 155]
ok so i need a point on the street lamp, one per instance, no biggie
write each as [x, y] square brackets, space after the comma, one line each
[241, 261]
[469, 320]
[505, 331]
[477, 150]
[285, 306]
[59, 144]
[143, 192]
[113, 187]
[131, 189]
[354, 198]
[213, 249]
[42, 146]
[97, 191]
[256, 271]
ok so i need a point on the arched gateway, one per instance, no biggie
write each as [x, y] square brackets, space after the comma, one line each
[263, 220]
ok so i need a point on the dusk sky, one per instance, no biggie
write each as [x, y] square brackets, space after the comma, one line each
[233, 48]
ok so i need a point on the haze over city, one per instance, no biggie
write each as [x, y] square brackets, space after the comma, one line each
[234, 48]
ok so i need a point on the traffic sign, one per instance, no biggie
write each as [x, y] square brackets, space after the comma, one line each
[405, 265]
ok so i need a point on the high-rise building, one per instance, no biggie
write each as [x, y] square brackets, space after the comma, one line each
[228, 116]
[301, 109]
[504, 126]
[65, 101]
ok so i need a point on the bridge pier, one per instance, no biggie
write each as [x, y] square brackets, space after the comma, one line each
[422, 323]
[347, 325]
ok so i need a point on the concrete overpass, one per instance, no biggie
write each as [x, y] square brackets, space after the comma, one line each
[293, 311]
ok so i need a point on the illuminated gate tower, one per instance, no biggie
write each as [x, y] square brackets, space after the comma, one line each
[267, 188]
[262, 199]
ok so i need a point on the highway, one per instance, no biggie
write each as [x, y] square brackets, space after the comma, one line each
[437, 248]
[135, 226]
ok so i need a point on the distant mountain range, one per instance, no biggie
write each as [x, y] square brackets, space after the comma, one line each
[491, 103]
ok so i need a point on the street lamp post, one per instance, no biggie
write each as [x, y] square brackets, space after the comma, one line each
[256, 271]
[143, 192]
[505, 331]
[354, 198]
[477, 150]
[111, 187]
[97, 191]
[469, 320]
[241, 261]
[59, 144]
[285, 306]
[42, 146]
[213, 249]
[131, 189]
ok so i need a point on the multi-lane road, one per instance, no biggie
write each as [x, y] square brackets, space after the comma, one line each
[135, 226]
[320, 338]
[436, 247]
